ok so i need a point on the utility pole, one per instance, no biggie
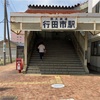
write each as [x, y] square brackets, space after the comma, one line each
[8, 37]
[4, 42]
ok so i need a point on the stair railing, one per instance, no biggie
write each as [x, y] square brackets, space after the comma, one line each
[78, 48]
[31, 44]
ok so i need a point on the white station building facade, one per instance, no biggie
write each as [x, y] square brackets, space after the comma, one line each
[81, 22]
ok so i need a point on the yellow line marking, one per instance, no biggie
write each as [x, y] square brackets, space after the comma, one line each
[27, 83]
[37, 75]
[32, 74]
[58, 79]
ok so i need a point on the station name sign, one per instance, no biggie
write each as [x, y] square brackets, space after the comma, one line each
[55, 23]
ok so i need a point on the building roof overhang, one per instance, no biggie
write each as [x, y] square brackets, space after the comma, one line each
[50, 11]
[52, 6]
[32, 22]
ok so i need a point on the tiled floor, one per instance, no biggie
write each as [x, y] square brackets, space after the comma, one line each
[38, 87]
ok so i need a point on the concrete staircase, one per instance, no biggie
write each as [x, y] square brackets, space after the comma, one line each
[60, 58]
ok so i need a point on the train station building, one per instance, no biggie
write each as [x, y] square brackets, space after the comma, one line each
[71, 35]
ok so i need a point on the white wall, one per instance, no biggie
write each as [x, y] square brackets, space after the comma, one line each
[91, 5]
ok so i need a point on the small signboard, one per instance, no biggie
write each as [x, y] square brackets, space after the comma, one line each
[56, 23]
[4, 46]
[20, 51]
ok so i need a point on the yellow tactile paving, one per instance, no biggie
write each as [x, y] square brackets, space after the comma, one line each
[58, 79]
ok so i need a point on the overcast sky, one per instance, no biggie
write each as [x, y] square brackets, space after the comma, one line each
[22, 5]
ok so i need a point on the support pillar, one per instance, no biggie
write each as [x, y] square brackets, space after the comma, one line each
[25, 51]
[85, 53]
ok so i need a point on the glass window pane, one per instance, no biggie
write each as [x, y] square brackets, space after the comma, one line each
[95, 48]
[99, 48]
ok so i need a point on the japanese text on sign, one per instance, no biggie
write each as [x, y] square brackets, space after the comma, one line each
[59, 23]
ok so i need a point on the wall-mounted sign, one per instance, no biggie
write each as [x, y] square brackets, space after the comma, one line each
[59, 23]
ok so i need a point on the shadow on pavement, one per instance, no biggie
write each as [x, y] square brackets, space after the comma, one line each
[4, 89]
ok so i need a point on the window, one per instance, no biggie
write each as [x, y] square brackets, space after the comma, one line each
[99, 48]
[95, 48]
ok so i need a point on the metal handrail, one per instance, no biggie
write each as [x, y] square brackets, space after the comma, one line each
[30, 47]
[78, 48]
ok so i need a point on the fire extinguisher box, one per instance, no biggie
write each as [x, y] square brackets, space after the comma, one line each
[19, 63]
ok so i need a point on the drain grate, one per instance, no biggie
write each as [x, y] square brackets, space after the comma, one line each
[8, 98]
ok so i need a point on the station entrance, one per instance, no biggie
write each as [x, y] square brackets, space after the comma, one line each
[63, 53]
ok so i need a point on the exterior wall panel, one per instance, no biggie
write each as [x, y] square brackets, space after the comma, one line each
[31, 26]
[85, 26]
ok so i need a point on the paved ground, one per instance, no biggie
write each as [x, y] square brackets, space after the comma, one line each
[38, 87]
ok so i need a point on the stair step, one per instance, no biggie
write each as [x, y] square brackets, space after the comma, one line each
[53, 61]
[55, 64]
[55, 72]
[58, 70]
[60, 58]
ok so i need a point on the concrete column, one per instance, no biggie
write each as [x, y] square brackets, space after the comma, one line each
[85, 53]
[25, 51]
